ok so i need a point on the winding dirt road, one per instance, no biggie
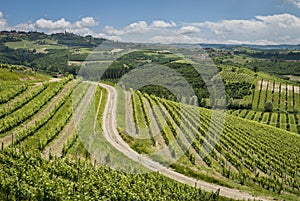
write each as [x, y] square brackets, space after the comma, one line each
[113, 137]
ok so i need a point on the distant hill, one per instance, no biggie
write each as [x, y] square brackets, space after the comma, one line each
[259, 47]
[43, 52]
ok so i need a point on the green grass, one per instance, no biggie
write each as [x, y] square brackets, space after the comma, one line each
[297, 98]
[243, 113]
[274, 118]
[265, 118]
[257, 116]
[293, 128]
[250, 115]
[121, 108]
[262, 100]
[276, 100]
[236, 112]
[283, 123]
[81, 51]
[24, 44]
[269, 92]
[21, 76]
[282, 98]
[290, 101]
[241, 142]
[255, 99]
[140, 120]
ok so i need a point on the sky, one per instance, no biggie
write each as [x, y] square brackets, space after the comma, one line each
[160, 21]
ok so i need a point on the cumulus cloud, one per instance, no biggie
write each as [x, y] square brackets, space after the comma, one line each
[81, 27]
[137, 27]
[162, 24]
[189, 30]
[63, 24]
[3, 22]
[50, 24]
[24, 27]
[86, 22]
[270, 29]
[281, 28]
[140, 27]
[296, 3]
[110, 30]
[263, 30]
[172, 38]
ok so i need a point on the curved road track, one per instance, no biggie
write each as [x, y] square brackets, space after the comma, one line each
[111, 134]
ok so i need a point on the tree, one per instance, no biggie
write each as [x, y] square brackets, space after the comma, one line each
[268, 106]
[255, 69]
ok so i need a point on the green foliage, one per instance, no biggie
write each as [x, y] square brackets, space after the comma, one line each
[242, 148]
[238, 90]
[29, 177]
[276, 67]
[268, 106]
[50, 58]
[29, 109]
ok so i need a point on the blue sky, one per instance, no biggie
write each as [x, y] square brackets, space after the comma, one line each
[215, 21]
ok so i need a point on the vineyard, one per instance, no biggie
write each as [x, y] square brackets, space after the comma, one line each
[69, 138]
[285, 97]
[246, 152]
[42, 156]
[274, 103]
[25, 176]
[285, 121]
[38, 123]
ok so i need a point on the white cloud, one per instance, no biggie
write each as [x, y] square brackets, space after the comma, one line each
[296, 3]
[110, 30]
[24, 27]
[283, 20]
[189, 30]
[270, 29]
[234, 26]
[103, 35]
[281, 28]
[86, 22]
[137, 27]
[3, 22]
[50, 24]
[162, 24]
[172, 38]
[79, 27]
